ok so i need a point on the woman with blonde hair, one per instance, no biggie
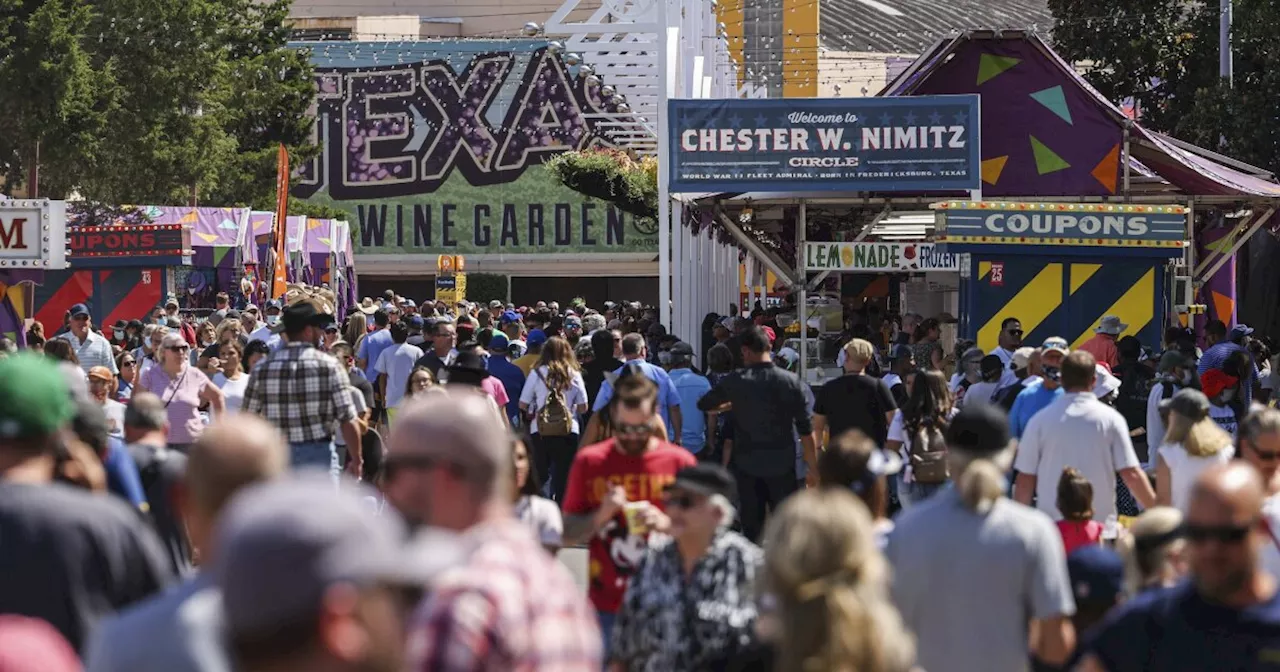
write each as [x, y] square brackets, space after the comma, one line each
[826, 586]
[229, 329]
[357, 328]
[969, 544]
[553, 397]
[1193, 442]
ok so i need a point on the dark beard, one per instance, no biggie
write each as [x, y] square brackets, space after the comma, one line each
[633, 446]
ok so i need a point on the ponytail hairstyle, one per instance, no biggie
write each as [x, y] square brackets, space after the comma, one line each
[979, 454]
[829, 580]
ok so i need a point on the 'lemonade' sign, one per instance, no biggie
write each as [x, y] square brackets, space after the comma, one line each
[878, 258]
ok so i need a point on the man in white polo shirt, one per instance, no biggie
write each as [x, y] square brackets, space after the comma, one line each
[92, 348]
[1077, 430]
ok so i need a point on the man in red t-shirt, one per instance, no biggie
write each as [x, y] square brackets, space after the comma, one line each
[629, 471]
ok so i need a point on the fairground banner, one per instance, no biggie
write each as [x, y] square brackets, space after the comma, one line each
[878, 258]
[436, 147]
[915, 143]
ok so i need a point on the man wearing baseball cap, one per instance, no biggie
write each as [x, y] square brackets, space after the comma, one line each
[304, 391]
[311, 579]
[271, 318]
[1038, 395]
[690, 386]
[512, 378]
[54, 534]
[91, 348]
[535, 340]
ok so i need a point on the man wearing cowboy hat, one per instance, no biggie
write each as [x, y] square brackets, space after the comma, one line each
[305, 392]
[1103, 344]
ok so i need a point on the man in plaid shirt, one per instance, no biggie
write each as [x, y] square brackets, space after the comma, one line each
[510, 607]
[305, 392]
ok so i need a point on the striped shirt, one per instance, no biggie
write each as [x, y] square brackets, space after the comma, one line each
[94, 350]
[1217, 355]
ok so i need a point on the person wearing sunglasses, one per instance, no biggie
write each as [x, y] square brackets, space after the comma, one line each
[1009, 340]
[701, 562]
[1259, 445]
[1227, 617]
[183, 389]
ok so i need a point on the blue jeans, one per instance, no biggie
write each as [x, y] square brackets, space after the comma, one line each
[910, 494]
[606, 630]
[315, 454]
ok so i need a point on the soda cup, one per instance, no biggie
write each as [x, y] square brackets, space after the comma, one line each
[635, 524]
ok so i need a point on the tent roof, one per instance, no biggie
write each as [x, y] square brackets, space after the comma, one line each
[1183, 169]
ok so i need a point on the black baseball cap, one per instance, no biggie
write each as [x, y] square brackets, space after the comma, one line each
[981, 429]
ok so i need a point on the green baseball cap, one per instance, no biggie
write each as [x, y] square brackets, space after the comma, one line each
[34, 399]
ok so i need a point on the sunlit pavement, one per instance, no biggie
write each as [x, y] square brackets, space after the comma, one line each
[576, 560]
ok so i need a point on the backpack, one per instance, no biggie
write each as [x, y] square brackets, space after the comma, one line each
[554, 417]
[929, 457]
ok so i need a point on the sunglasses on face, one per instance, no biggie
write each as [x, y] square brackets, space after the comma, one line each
[180, 348]
[681, 500]
[127, 363]
[1223, 534]
[1265, 455]
[633, 430]
[1015, 332]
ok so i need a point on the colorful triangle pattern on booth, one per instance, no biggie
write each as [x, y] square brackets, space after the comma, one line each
[1054, 99]
[1224, 306]
[990, 66]
[1108, 170]
[992, 168]
[207, 237]
[1047, 161]
[219, 253]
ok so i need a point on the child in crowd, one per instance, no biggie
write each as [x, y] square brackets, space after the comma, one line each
[1075, 503]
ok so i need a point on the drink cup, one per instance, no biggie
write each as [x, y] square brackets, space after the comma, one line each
[633, 511]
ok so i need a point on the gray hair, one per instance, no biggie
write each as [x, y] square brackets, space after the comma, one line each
[146, 412]
[728, 513]
[592, 322]
[149, 329]
[1261, 422]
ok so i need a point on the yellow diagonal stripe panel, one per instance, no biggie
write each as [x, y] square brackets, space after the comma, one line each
[1135, 308]
[984, 267]
[1080, 273]
[1031, 305]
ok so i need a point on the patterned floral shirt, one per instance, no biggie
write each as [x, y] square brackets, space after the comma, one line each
[672, 622]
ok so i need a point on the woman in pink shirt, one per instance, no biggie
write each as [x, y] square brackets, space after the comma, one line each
[182, 389]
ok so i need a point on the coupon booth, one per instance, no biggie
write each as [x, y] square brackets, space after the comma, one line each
[120, 272]
[1060, 267]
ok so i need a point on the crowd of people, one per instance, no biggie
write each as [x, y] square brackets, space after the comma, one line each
[276, 489]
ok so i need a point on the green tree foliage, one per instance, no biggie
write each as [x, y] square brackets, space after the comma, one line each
[1164, 55]
[137, 101]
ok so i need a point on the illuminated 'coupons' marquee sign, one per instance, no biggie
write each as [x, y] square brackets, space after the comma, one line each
[401, 130]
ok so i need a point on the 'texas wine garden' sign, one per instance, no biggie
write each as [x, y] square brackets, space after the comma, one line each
[437, 148]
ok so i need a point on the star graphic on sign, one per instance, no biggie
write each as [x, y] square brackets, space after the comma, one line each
[935, 118]
[886, 119]
[910, 119]
[735, 121]
[936, 169]
[960, 117]
[761, 121]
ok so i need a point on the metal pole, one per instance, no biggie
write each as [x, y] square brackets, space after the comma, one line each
[802, 307]
[1224, 41]
[665, 72]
